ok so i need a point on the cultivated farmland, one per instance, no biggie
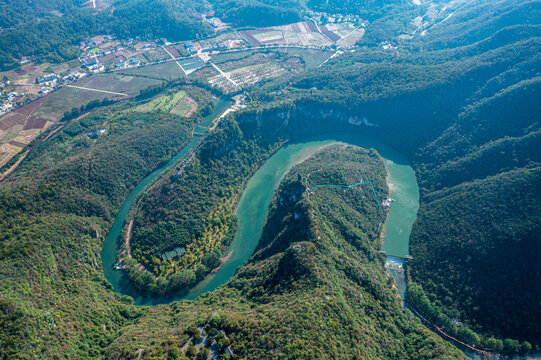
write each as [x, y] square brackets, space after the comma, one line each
[178, 103]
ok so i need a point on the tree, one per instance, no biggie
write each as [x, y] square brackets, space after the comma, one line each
[511, 345]
[201, 272]
[191, 351]
[526, 346]
[212, 259]
[212, 332]
[468, 335]
[192, 330]
[494, 344]
[203, 354]
[174, 353]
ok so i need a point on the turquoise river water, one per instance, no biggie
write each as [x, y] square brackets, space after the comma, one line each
[254, 203]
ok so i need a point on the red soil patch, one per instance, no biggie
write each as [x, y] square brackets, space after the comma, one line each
[35, 123]
[173, 51]
[10, 120]
[30, 107]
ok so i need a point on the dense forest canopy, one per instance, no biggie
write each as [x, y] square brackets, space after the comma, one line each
[56, 38]
[316, 286]
[461, 102]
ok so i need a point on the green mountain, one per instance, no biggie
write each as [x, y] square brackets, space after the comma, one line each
[56, 38]
[55, 211]
[314, 288]
[461, 102]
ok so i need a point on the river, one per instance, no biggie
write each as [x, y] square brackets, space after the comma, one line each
[254, 203]
[118, 279]
[253, 207]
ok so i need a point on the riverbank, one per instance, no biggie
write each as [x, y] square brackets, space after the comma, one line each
[113, 241]
[253, 206]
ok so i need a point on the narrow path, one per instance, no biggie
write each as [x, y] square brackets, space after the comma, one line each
[321, 32]
[172, 57]
[438, 330]
[329, 58]
[351, 32]
[14, 166]
[97, 90]
[225, 75]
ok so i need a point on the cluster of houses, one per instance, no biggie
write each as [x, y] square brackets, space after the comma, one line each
[190, 47]
[92, 43]
[340, 18]
[92, 64]
[7, 102]
[131, 62]
[50, 81]
[49, 78]
[90, 59]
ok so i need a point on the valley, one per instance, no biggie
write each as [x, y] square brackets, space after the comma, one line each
[270, 179]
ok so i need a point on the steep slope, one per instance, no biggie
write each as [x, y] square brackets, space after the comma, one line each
[316, 286]
[475, 249]
[463, 105]
[54, 213]
[56, 38]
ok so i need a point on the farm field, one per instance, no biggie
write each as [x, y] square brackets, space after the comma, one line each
[178, 103]
[230, 62]
[337, 31]
[351, 38]
[204, 73]
[293, 59]
[116, 82]
[181, 49]
[228, 38]
[156, 54]
[302, 34]
[19, 128]
[173, 51]
[310, 58]
[65, 99]
[191, 64]
[247, 76]
[232, 56]
[163, 71]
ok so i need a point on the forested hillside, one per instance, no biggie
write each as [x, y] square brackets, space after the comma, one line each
[54, 214]
[316, 288]
[466, 113]
[56, 38]
[258, 13]
[14, 12]
[475, 246]
[193, 210]
[461, 102]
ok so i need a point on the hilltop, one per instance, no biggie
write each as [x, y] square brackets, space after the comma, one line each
[316, 274]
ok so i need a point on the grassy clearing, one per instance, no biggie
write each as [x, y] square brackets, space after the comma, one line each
[312, 58]
[73, 64]
[117, 83]
[65, 99]
[165, 71]
[177, 103]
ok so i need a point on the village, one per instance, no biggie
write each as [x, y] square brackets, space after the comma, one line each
[36, 96]
[104, 53]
